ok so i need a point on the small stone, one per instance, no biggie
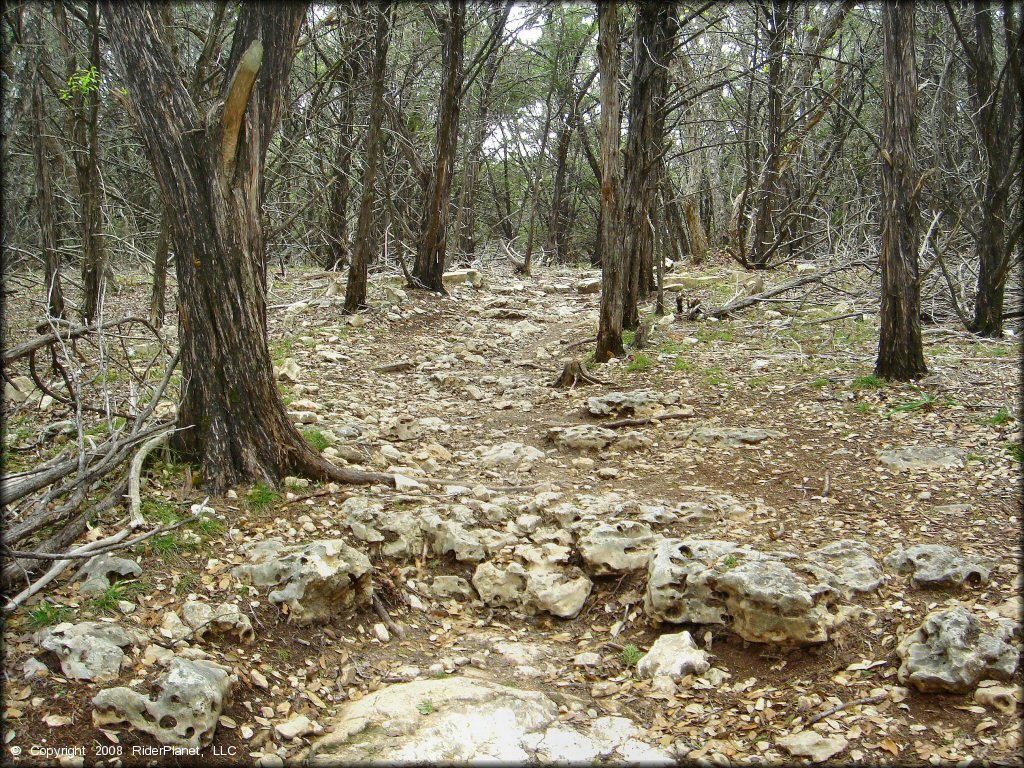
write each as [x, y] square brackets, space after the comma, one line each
[294, 727]
[813, 745]
[436, 669]
[588, 659]
[673, 655]
[478, 660]
[607, 473]
[381, 632]
[270, 761]
[603, 688]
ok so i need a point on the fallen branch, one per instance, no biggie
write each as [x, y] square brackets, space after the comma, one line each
[639, 422]
[382, 612]
[136, 520]
[747, 301]
[853, 703]
[396, 367]
[27, 347]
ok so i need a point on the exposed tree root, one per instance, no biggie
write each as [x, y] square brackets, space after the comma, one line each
[573, 374]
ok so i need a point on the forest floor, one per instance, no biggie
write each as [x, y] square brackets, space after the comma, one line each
[483, 363]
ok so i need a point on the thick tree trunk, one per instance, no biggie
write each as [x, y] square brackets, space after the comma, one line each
[210, 172]
[900, 355]
[609, 332]
[355, 293]
[994, 115]
[652, 44]
[44, 205]
[430, 252]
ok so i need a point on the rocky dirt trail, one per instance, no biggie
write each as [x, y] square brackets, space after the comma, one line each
[799, 564]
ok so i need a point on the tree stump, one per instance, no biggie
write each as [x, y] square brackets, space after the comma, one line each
[573, 374]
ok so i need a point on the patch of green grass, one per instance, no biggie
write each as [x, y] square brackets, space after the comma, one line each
[46, 615]
[729, 562]
[866, 382]
[708, 335]
[425, 707]
[639, 363]
[1016, 451]
[160, 511]
[283, 654]
[442, 675]
[187, 583]
[863, 407]
[631, 655]
[819, 383]
[206, 526]
[106, 601]
[260, 497]
[682, 364]
[627, 338]
[1001, 417]
[171, 544]
[316, 439]
[671, 347]
[588, 361]
[713, 376]
[279, 350]
[926, 401]
[759, 382]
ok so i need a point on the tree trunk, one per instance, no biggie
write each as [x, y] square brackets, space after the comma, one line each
[355, 293]
[157, 312]
[337, 248]
[210, 172]
[994, 115]
[44, 203]
[900, 355]
[430, 252]
[652, 44]
[89, 186]
[609, 332]
[778, 15]
[465, 218]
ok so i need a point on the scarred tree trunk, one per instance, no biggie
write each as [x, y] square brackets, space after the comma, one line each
[900, 355]
[355, 292]
[430, 252]
[44, 204]
[210, 173]
[653, 38]
[609, 332]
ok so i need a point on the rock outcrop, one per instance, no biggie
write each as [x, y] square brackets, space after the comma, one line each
[315, 580]
[950, 653]
[191, 697]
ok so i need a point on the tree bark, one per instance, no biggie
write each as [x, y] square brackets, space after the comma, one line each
[430, 252]
[210, 172]
[44, 203]
[900, 355]
[85, 137]
[652, 45]
[609, 333]
[465, 218]
[355, 292]
[778, 16]
[337, 248]
[157, 310]
[994, 116]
